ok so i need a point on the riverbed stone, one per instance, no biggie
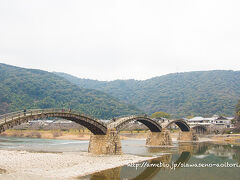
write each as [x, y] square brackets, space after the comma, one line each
[159, 138]
[187, 136]
[105, 144]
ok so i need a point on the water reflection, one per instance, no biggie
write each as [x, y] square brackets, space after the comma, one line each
[150, 172]
[185, 152]
[193, 148]
[147, 174]
[184, 158]
[225, 151]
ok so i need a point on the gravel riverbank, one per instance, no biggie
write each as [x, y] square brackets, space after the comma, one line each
[37, 165]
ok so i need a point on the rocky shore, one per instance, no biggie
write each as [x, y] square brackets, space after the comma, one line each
[37, 165]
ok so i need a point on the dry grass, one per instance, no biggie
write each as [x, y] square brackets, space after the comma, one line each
[48, 134]
[56, 133]
[33, 135]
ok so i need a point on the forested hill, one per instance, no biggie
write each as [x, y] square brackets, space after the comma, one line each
[28, 88]
[180, 94]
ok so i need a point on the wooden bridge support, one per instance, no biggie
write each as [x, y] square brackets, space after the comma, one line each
[105, 144]
[187, 136]
[11, 124]
[200, 130]
[159, 138]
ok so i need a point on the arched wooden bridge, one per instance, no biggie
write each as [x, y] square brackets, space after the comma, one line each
[12, 119]
[120, 123]
[109, 140]
[96, 126]
[201, 129]
[181, 123]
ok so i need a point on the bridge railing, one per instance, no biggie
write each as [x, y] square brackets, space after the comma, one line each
[10, 116]
[135, 115]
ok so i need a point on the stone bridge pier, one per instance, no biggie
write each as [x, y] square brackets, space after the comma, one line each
[187, 136]
[162, 138]
[105, 144]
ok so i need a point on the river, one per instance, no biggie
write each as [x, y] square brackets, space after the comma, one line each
[184, 154]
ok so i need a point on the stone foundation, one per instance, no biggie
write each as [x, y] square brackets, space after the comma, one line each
[105, 144]
[159, 138]
[187, 136]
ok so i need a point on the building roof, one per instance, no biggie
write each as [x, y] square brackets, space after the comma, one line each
[199, 118]
[214, 117]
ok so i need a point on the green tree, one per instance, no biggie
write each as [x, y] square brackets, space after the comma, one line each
[201, 93]
[238, 111]
[33, 89]
[190, 117]
[160, 114]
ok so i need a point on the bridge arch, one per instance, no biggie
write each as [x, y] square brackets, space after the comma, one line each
[12, 119]
[120, 123]
[200, 129]
[182, 124]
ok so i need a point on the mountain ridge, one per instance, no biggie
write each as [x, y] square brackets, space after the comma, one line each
[32, 88]
[180, 94]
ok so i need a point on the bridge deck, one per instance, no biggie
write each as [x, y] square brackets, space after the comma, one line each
[11, 119]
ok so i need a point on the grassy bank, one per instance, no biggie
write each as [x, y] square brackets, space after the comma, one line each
[48, 134]
[73, 134]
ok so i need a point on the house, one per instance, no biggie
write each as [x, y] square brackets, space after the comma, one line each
[220, 121]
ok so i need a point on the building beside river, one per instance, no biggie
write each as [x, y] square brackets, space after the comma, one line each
[215, 120]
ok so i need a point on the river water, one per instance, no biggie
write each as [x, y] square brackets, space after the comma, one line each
[184, 155]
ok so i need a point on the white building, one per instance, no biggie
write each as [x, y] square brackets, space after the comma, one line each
[224, 122]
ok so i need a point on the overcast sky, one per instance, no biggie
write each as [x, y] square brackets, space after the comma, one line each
[120, 39]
